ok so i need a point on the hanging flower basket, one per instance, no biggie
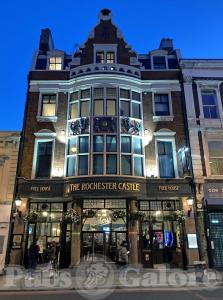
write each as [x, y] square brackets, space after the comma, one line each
[118, 214]
[89, 213]
[72, 216]
[31, 217]
[180, 216]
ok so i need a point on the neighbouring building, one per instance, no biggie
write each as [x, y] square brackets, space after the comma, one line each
[104, 156]
[203, 87]
[9, 147]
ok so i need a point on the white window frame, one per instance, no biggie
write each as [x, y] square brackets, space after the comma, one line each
[207, 161]
[105, 48]
[40, 138]
[166, 136]
[43, 92]
[169, 117]
[209, 86]
[159, 53]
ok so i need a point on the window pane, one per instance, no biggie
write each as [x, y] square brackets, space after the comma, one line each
[111, 92]
[98, 92]
[165, 155]
[49, 110]
[110, 57]
[137, 145]
[138, 166]
[208, 98]
[125, 108]
[98, 143]
[71, 165]
[111, 109]
[74, 110]
[72, 146]
[111, 164]
[124, 94]
[85, 94]
[136, 96]
[161, 104]
[216, 165]
[159, 62]
[98, 107]
[215, 149]
[74, 96]
[136, 110]
[111, 145]
[84, 109]
[98, 164]
[126, 165]
[126, 144]
[83, 165]
[100, 57]
[43, 162]
[57, 207]
[83, 144]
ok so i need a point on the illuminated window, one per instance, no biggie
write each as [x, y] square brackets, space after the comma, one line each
[216, 157]
[48, 106]
[55, 63]
[100, 57]
[110, 57]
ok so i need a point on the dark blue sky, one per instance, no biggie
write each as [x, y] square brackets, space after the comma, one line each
[195, 25]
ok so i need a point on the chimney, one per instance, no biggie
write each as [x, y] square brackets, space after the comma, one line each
[46, 40]
[105, 14]
[166, 44]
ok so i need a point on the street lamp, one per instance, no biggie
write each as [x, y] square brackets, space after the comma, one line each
[18, 202]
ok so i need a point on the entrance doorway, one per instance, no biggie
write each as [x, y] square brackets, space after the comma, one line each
[102, 245]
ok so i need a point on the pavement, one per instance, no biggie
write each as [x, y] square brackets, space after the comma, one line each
[108, 277]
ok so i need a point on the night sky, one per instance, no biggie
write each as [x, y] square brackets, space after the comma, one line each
[196, 27]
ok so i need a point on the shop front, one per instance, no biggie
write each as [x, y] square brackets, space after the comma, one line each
[91, 218]
[213, 202]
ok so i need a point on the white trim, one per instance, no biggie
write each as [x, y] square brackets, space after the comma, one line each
[39, 140]
[206, 157]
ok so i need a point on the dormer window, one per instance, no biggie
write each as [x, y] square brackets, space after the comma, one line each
[55, 63]
[105, 57]
[159, 62]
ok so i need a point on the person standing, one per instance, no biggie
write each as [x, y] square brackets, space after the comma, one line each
[52, 254]
[33, 258]
[123, 254]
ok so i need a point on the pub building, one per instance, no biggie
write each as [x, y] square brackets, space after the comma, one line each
[104, 155]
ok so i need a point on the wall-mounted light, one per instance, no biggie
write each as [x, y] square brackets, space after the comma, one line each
[190, 201]
[18, 202]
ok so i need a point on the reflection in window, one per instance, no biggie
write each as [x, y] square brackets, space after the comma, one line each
[111, 164]
[85, 94]
[98, 164]
[72, 146]
[111, 145]
[125, 108]
[71, 165]
[159, 62]
[165, 156]
[48, 106]
[124, 94]
[209, 102]
[137, 145]
[126, 165]
[126, 144]
[138, 166]
[136, 110]
[215, 149]
[83, 144]
[83, 165]
[98, 143]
